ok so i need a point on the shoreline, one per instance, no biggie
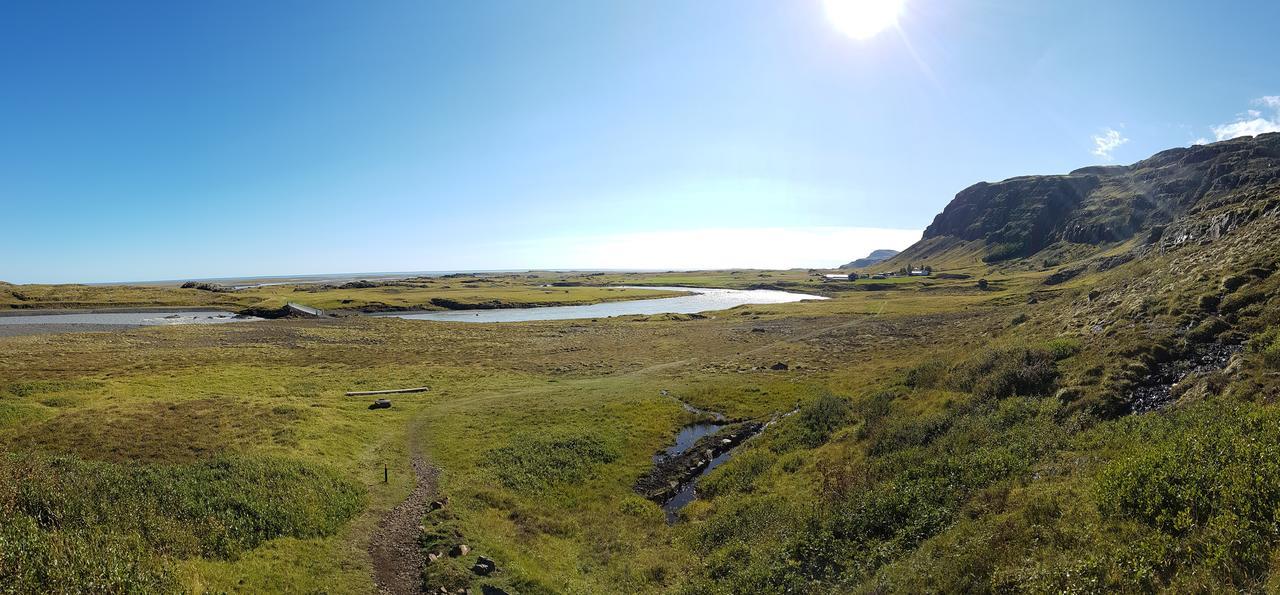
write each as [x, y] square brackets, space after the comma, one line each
[16, 312]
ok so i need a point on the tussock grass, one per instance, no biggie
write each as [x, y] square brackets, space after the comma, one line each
[82, 525]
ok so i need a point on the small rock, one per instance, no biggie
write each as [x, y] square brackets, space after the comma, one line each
[778, 367]
[484, 566]
[433, 556]
[460, 550]
[438, 504]
[381, 404]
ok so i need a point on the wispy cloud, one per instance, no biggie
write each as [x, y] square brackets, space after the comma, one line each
[1106, 143]
[1253, 122]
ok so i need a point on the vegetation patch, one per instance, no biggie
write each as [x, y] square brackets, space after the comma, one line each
[536, 463]
[158, 432]
[96, 526]
[1208, 477]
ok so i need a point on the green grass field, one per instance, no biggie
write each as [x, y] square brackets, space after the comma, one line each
[949, 438]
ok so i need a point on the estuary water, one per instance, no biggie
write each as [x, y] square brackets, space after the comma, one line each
[124, 318]
[702, 299]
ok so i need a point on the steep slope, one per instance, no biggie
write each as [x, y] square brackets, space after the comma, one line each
[1175, 197]
[1100, 416]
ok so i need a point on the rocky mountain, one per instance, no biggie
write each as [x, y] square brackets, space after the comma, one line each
[1176, 196]
[876, 256]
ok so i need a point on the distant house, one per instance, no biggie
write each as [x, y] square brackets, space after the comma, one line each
[840, 277]
[919, 273]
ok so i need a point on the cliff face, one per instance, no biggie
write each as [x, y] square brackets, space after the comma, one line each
[1176, 196]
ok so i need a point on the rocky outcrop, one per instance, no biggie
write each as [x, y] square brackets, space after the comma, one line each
[1188, 195]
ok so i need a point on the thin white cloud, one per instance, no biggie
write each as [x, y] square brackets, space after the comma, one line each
[1106, 143]
[1253, 122]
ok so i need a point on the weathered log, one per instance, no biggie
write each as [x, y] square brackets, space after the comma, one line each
[365, 393]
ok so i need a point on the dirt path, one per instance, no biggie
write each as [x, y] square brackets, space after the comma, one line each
[397, 559]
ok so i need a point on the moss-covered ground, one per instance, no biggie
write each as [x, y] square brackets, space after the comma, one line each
[949, 438]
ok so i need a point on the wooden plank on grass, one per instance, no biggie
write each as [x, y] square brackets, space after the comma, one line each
[395, 391]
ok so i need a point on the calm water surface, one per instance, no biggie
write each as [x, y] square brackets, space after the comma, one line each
[702, 300]
[128, 318]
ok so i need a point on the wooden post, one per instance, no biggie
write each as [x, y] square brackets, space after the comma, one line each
[385, 474]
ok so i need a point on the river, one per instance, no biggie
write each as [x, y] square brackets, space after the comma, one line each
[702, 299]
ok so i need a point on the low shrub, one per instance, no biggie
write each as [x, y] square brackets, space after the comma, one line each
[1062, 348]
[818, 419]
[535, 463]
[1267, 344]
[738, 475]
[96, 526]
[1207, 330]
[1001, 252]
[1209, 477]
[1003, 373]
[1234, 282]
[927, 374]
[1239, 301]
[1209, 302]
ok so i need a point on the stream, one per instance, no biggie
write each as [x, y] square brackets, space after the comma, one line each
[700, 447]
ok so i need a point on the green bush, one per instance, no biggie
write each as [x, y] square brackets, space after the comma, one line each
[1209, 477]
[738, 475]
[1234, 282]
[1241, 300]
[535, 463]
[1063, 348]
[33, 560]
[1003, 373]
[818, 419]
[1005, 251]
[95, 526]
[927, 374]
[1267, 344]
[1208, 330]
[1209, 302]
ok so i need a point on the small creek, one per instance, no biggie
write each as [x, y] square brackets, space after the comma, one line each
[700, 447]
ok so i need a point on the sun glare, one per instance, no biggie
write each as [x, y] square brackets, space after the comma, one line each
[863, 19]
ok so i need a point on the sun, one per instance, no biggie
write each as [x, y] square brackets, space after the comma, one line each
[863, 19]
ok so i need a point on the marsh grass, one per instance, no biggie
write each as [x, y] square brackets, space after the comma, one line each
[535, 463]
[116, 527]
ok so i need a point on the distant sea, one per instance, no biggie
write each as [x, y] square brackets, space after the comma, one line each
[267, 280]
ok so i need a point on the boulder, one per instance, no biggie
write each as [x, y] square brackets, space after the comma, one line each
[779, 367]
[484, 566]
[460, 550]
[381, 404]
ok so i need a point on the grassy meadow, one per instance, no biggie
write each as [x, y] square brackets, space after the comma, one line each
[948, 438]
[421, 293]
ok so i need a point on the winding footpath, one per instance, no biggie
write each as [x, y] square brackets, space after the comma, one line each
[397, 559]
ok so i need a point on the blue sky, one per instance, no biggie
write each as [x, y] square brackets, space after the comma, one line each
[143, 140]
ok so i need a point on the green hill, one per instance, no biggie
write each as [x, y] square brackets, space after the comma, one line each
[1176, 197]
